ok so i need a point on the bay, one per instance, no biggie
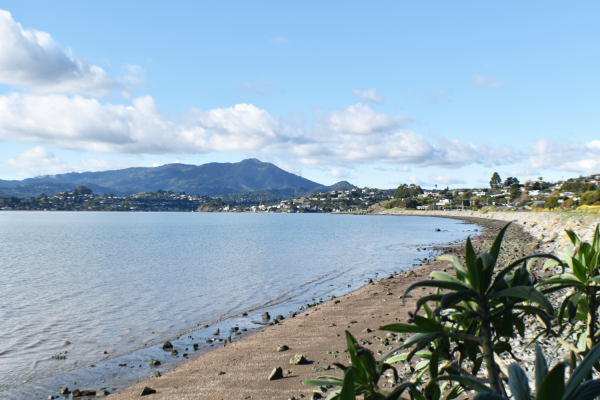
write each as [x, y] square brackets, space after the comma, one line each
[79, 284]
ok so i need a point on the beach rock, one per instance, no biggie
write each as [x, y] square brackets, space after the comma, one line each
[217, 332]
[321, 368]
[277, 373]
[76, 393]
[282, 347]
[234, 329]
[174, 352]
[298, 359]
[102, 393]
[167, 345]
[336, 302]
[154, 363]
[64, 390]
[147, 390]
[438, 230]
[156, 374]
[195, 346]
[367, 330]
[292, 315]
[244, 314]
[265, 316]
[279, 318]
[331, 325]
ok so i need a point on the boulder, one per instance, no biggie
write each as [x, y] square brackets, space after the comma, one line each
[167, 345]
[156, 374]
[217, 332]
[154, 363]
[265, 316]
[64, 390]
[147, 390]
[298, 359]
[102, 393]
[282, 347]
[277, 373]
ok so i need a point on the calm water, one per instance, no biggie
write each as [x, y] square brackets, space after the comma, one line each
[86, 283]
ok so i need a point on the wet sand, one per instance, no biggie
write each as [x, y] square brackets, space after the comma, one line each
[240, 370]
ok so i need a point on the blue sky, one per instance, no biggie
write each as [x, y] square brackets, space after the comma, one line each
[433, 93]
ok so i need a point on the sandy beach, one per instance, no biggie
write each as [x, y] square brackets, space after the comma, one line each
[240, 370]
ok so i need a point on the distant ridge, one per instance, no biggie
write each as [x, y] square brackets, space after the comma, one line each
[210, 179]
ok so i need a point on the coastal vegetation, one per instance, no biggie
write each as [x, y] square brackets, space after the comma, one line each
[468, 324]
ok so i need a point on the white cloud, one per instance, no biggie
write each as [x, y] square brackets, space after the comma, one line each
[345, 138]
[486, 81]
[369, 96]
[564, 156]
[38, 160]
[278, 40]
[32, 60]
[445, 179]
[361, 119]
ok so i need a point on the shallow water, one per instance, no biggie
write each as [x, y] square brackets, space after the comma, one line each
[86, 283]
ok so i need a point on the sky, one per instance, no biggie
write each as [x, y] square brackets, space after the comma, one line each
[376, 93]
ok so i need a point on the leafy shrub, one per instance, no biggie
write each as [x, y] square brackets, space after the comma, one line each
[480, 307]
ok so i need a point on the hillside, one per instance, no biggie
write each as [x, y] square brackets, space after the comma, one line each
[210, 179]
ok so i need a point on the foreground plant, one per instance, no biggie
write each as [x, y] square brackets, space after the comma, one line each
[551, 385]
[474, 301]
[362, 378]
[580, 307]
[473, 315]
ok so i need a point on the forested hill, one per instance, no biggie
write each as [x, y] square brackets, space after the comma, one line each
[208, 180]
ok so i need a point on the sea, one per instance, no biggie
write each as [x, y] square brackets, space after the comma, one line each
[87, 299]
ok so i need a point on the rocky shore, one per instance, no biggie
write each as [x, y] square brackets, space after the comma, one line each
[273, 362]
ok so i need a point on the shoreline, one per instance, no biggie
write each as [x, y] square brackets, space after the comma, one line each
[240, 370]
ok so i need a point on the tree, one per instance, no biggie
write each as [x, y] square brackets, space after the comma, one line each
[406, 191]
[510, 181]
[515, 191]
[82, 190]
[495, 182]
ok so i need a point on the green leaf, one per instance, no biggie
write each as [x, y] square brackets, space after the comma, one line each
[347, 392]
[488, 396]
[460, 269]
[464, 380]
[455, 392]
[582, 370]
[437, 284]
[470, 260]
[425, 299]
[495, 249]
[553, 386]
[450, 299]
[404, 328]
[519, 385]
[579, 270]
[442, 276]
[324, 381]
[395, 395]
[516, 263]
[428, 324]
[404, 356]
[574, 238]
[526, 293]
[433, 364]
[541, 368]
[589, 390]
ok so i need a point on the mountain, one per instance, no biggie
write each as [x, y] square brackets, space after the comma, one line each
[210, 179]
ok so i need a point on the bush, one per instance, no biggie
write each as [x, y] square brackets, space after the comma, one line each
[473, 314]
[590, 198]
